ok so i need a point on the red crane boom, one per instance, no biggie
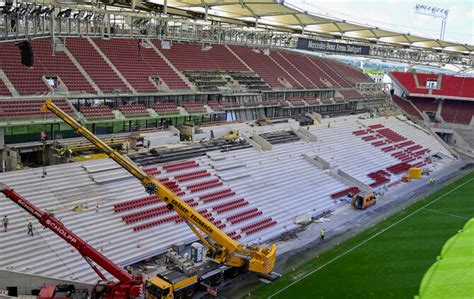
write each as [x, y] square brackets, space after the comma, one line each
[127, 286]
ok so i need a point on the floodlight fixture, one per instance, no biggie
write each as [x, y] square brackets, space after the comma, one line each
[435, 12]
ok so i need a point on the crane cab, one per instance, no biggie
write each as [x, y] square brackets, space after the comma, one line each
[171, 284]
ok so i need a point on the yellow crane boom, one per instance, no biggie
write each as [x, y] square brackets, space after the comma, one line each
[227, 250]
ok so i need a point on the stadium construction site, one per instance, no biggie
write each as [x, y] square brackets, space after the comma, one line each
[241, 185]
[177, 150]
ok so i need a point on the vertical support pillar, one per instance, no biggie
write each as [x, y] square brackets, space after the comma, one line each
[52, 24]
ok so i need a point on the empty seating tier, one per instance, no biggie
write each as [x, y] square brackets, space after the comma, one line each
[311, 100]
[154, 212]
[350, 94]
[134, 110]
[263, 181]
[124, 54]
[180, 166]
[257, 224]
[166, 108]
[349, 73]
[95, 66]
[205, 185]
[193, 57]
[97, 112]
[215, 194]
[390, 134]
[279, 57]
[460, 112]
[215, 105]
[265, 67]
[27, 81]
[245, 216]
[399, 168]
[152, 170]
[136, 203]
[164, 71]
[425, 104]
[447, 85]
[56, 63]
[32, 81]
[192, 176]
[296, 102]
[231, 204]
[408, 106]
[4, 90]
[348, 191]
[326, 66]
[194, 107]
[304, 64]
[26, 109]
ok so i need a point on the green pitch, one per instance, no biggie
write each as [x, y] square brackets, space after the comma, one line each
[387, 261]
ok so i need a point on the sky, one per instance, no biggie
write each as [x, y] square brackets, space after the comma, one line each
[400, 16]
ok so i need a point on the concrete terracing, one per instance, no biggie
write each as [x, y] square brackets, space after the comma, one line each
[265, 190]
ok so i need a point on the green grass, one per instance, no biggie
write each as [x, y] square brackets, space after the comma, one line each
[390, 259]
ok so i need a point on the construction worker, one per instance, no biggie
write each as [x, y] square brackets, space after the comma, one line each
[30, 228]
[5, 223]
[322, 234]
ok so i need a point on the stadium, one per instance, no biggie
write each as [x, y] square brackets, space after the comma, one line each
[231, 149]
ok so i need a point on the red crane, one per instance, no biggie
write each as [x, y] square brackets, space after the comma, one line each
[127, 286]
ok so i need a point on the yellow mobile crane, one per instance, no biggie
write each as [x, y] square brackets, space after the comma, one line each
[224, 249]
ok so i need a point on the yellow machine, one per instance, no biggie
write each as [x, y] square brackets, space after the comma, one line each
[224, 250]
[414, 173]
[362, 202]
[233, 135]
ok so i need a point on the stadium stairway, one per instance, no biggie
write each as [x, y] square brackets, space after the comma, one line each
[335, 75]
[177, 72]
[82, 71]
[286, 70]
[328, 74]
[96, 66]
[304, 80]
[6, 86]
[111, 65]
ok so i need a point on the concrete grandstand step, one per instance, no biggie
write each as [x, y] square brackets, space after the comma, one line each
[8, 83]
[82, 71]
[177, 72]
[112, 66]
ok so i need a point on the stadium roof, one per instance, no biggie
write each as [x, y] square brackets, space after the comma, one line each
[280, 14]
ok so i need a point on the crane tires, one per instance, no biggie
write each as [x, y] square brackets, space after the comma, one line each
[217, 280]
[234, 272]
[189, 293]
